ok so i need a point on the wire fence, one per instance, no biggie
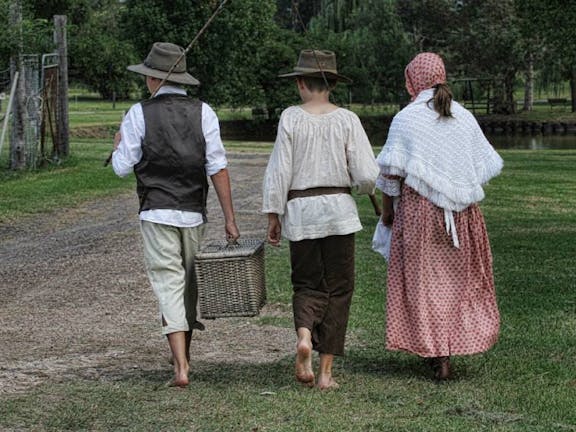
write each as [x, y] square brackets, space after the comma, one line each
[39, 80]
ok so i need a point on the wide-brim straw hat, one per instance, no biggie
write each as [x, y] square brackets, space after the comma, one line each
[317, 63]
[160, 60]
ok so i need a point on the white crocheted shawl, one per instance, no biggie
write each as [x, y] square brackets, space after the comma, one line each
[446, 160]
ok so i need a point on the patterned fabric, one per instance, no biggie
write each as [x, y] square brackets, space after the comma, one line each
[424, 72]
[440, 299]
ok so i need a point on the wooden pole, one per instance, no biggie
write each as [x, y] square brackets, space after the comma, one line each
[17, 147]
[62, 131]
[8, 108]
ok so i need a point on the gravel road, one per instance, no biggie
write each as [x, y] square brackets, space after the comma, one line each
[75, 301]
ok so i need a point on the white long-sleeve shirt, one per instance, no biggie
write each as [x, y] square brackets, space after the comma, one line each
[129, 153]
[326, 150]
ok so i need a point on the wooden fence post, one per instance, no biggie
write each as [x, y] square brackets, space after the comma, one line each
[17, 144]
[62, 132]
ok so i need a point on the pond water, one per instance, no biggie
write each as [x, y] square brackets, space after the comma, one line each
[532, 142]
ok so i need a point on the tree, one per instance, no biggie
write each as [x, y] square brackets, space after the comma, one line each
[555, 20]
[94, 36]
[35, 33]
[296, 14]
[229, 57]
[99, 54]
[488, 44]
[371, 46]
[429, 23]
[277, 56]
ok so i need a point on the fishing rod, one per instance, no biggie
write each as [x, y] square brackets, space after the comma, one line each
[180, 57]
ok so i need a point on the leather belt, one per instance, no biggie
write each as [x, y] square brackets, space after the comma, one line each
[317, 191]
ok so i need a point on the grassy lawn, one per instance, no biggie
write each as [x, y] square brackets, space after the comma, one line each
[86, 113]
[526, 383]
[80, 177]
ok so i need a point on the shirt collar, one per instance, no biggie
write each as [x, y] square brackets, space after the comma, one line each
[168, 89]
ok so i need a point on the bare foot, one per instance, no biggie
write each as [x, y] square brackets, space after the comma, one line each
[180, 376]
[304, 372]
[327, 383]
[180, 381]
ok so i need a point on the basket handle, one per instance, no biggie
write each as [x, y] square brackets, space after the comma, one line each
[232, 243]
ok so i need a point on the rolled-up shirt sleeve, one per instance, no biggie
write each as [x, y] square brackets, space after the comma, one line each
[129, 151]
[215, 152]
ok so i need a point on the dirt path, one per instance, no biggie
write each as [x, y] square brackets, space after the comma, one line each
[75, 300]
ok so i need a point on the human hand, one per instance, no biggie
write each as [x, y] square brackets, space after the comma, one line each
[274, 229]
[232, 232]
[117, 139]
[387, 217]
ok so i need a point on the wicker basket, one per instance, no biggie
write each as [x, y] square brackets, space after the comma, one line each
[231, 279]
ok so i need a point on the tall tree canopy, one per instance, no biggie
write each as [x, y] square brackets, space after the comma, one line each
[371, 46]
[227, 58]
[239, 56]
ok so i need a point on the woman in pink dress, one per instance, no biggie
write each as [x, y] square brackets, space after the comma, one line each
[440, 298]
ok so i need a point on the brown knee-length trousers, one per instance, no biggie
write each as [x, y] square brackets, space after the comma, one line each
[323, 284]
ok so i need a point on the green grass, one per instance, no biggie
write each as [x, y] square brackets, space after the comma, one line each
[80, 177]
[527, 382]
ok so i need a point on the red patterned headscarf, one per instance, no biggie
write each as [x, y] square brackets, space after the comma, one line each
[424, 72]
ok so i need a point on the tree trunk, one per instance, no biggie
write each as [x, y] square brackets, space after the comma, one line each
[510, 102]
[529, 84]
[504, 95]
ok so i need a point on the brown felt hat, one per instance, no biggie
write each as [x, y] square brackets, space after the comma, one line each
[316, 63]
[161, 58]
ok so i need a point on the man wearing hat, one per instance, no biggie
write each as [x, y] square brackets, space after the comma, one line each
[172, 143]
[321, 153]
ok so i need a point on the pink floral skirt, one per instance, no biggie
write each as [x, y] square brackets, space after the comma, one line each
[440, 299]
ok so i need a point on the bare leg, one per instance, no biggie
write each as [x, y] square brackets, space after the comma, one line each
[188, 342]
[177, 341]
[325, 380]
[443, 371]
[304, 372]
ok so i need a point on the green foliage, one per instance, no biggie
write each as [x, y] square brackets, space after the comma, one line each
[239, 55]
[97, 52]
[490, 30]
[428, 23]
[274, 57]
[35, 34]
[100, 55]
[231, 59]
[372, 50]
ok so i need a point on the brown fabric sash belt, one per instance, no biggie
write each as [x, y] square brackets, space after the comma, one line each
[317, 191]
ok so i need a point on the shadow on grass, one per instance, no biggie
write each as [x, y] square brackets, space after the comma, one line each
[219, 374]
[279, 373]
[400, 365]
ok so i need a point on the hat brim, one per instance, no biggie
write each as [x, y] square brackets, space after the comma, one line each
[180, 78]
[328, 75]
